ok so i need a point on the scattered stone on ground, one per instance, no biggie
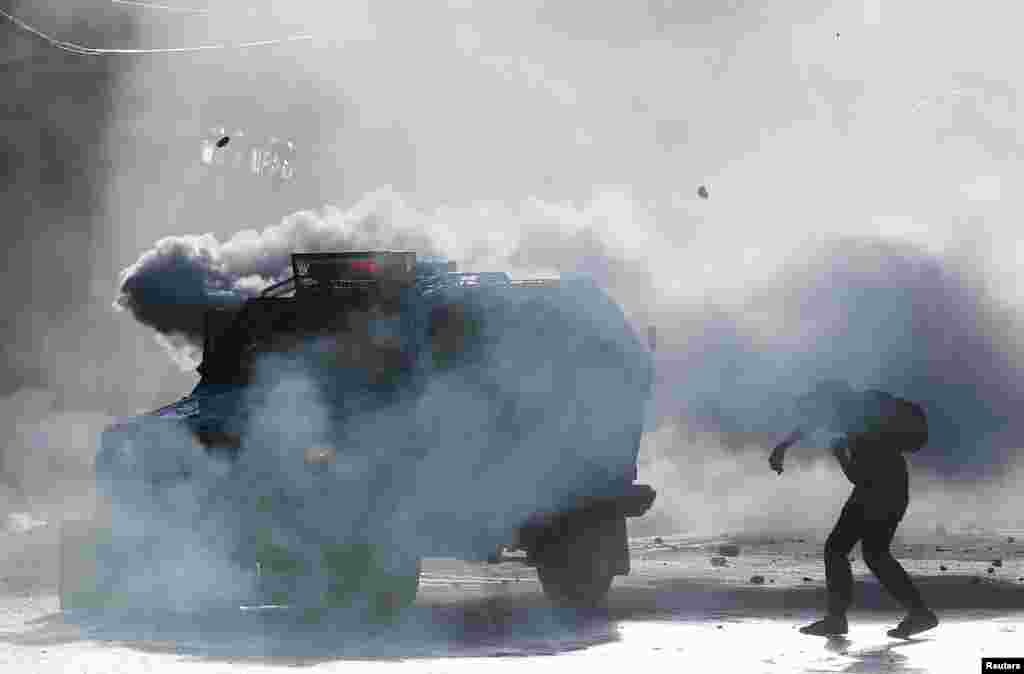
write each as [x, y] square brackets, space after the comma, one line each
[757, 580]
[729, 550]
[997, 562]
[991, 570]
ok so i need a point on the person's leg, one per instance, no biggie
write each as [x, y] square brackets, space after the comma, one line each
[878, 534]
[878, 557]
[838, 574]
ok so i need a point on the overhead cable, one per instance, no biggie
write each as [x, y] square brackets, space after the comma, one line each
[75, 48]
[169, 8]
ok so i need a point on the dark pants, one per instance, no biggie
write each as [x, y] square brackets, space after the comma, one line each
[871, 516]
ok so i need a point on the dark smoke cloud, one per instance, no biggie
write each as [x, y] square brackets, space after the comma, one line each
[171, 286]
[54, 169]
[52, 117]
[360, 109]
[518, 435]
[880, 314]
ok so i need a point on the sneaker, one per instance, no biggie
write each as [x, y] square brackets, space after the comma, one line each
[916, 622]
[832, 625]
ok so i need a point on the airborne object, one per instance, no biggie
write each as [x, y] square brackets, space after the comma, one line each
[223, 141]
[702, 192]
[384, 331]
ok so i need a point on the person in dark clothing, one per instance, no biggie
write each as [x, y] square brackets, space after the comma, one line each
[876, 428]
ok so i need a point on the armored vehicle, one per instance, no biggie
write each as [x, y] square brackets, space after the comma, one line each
[374, 409]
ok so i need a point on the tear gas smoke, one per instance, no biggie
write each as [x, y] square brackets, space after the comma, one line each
[750, 309]
[727, 371]
[880, 313]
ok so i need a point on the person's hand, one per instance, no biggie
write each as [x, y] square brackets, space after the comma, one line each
[777, 457]
[779, 453]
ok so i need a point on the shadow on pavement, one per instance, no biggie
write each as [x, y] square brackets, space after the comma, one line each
[473, 629]
[687, 597]
[883, 658]
[515, 625]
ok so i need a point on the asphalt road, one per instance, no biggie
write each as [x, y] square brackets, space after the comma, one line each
[677, 611]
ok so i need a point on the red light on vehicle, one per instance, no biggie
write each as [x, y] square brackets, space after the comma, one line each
[363, 266]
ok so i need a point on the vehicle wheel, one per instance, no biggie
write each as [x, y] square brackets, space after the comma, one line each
[388, 581]
[394, 593]
[576, 558]
[574, 586]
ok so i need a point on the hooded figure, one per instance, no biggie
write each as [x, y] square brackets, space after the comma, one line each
[875, 429]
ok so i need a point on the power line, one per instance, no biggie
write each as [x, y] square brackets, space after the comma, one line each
[75, 48]
[169, 8]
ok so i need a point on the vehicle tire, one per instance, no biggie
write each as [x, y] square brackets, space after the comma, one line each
[577, 558]
[395, 593]
[575, 587]
[388, 580]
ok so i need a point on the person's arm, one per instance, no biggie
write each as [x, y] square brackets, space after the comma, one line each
[841, 450]
[779, 453]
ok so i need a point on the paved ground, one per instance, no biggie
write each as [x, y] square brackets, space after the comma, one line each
[677, 610]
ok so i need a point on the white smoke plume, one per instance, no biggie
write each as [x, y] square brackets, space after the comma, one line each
[829, 245]
[908, 313]
[171, 285]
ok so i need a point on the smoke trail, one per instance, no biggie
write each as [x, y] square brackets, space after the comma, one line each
[750, 309]
[887, 313]
[170, 286]
[880, 313]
